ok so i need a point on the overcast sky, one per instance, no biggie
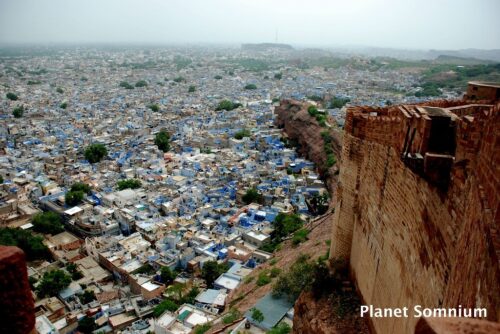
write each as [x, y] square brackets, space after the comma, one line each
[415, 24]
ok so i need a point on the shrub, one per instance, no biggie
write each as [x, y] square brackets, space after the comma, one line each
[201, 329]
[218, 77]
[250, 87]
[297, 278]
[330, 160]
[312, 110]
[60, 90]
[275, 272]
[179, 79]
[263, 278]
[281, 328]
[300, 236]
[257, 315]
[231, 316]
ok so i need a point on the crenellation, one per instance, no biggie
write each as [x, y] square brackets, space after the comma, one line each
[418, 211]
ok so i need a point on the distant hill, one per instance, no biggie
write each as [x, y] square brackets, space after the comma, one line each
[447, 59]
[265, 46]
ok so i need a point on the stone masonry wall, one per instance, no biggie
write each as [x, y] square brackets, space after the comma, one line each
[408, 241]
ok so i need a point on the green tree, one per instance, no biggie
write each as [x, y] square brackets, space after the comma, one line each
[291, 283]
[284, 224]
[242, 133]
[126, 85]
[87, 325]
[12, 96]
[52, 282]
[166, 305]
[60, 90]
[32, 245]
[87, 296]
[128, 184]
[81, 187]
[73, 198]
[167, 275]
[95, 152]
[154, 107]
[162, 140]
[227, 105]
[252, 195]
[47, 223]
[251, 87]
[192, 89]
[18, 112]
[218, 77]
[179, 79]
[278, 76]
[257, 315]
[211, 270]
[1, 179]
[141, 83]
[63, 105]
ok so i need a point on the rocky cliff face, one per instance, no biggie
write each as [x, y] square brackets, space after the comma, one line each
[303, 130]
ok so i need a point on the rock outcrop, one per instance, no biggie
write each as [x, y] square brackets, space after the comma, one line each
[304, 130]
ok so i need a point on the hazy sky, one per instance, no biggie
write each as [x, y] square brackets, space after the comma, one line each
[423, 24]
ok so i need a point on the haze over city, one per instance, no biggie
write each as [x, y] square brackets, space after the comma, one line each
[422, 24]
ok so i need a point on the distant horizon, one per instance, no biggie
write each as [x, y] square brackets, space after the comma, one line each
[395, 24]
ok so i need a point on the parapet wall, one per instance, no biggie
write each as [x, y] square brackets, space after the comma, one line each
[417, 209]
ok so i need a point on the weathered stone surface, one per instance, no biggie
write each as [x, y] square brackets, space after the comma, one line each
[17, 313]
[411, 241]
[293, 117]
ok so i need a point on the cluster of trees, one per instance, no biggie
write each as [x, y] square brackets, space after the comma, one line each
[47, 223]
[338, 102]
[227, 105]
[327, 147]
[178, 295]
[242, 133]
[211, 270]
[95, 152]
[284, 225]
[128, 184]
[18, 112]
[252, 195]
[73, 270]
[76, 193]
[162, 140]
[52, 282]
[31, 244]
